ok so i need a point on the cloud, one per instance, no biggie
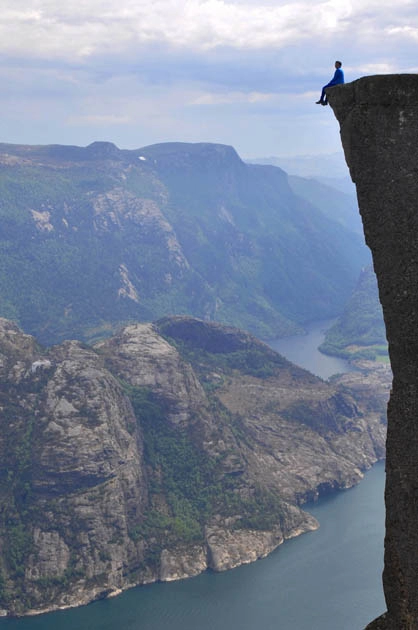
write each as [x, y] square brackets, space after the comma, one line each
[374, 68]
[404, 31]
[194, 37]
[232, 98]
[78, 31]
[100, 120]
[242, 72]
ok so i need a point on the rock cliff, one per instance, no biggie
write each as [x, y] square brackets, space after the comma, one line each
[378, 117]
[163, 451]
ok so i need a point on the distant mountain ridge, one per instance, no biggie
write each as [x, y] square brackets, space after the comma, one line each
[95, 236]
[331, 165]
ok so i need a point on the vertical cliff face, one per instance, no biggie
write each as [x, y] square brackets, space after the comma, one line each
[378, 117]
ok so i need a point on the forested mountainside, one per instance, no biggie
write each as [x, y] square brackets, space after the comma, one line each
[96, 236]
[162, 451]
[335, 204]
[359, 332]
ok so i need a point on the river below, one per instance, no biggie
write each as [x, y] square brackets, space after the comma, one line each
[303, 350]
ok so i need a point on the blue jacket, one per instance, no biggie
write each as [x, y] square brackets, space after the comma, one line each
[337, 78]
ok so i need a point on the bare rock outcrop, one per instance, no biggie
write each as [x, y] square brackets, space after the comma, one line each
[72, 476]
[378, 116]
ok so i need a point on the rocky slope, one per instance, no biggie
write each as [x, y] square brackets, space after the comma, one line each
[359, 332]
[163, 451]
[379, 131]
[95, 236]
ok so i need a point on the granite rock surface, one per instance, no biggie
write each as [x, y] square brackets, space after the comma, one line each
[378, 117]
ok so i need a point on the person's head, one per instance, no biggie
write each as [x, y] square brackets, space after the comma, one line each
[338, 64]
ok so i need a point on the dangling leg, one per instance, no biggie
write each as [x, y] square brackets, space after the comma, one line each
[323, 99]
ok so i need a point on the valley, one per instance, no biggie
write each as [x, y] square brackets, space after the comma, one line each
[134, 452]
[94, 237]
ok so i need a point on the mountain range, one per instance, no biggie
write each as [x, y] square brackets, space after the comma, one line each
[94, 237]
[330, 166]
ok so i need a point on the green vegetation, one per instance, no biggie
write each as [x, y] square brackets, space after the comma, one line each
[4, 597]
[16, 501]
[187, 486]
[319, 417]
[61, 582]
[185, 476]
[198, 231]
[263, 511]
[20, 511]
[18, 546]
[252, 361]
[360, 331]
[211, 347]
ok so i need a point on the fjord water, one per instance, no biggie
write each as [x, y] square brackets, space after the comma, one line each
[303, 350]
[329, 579]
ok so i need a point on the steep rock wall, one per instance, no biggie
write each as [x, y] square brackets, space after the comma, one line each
[378, 117]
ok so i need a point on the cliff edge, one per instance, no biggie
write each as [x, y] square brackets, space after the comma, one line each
[378, 116]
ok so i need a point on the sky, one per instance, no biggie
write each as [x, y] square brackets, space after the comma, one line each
[241, 72]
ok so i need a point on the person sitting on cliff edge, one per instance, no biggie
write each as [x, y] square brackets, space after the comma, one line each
[336, 80]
